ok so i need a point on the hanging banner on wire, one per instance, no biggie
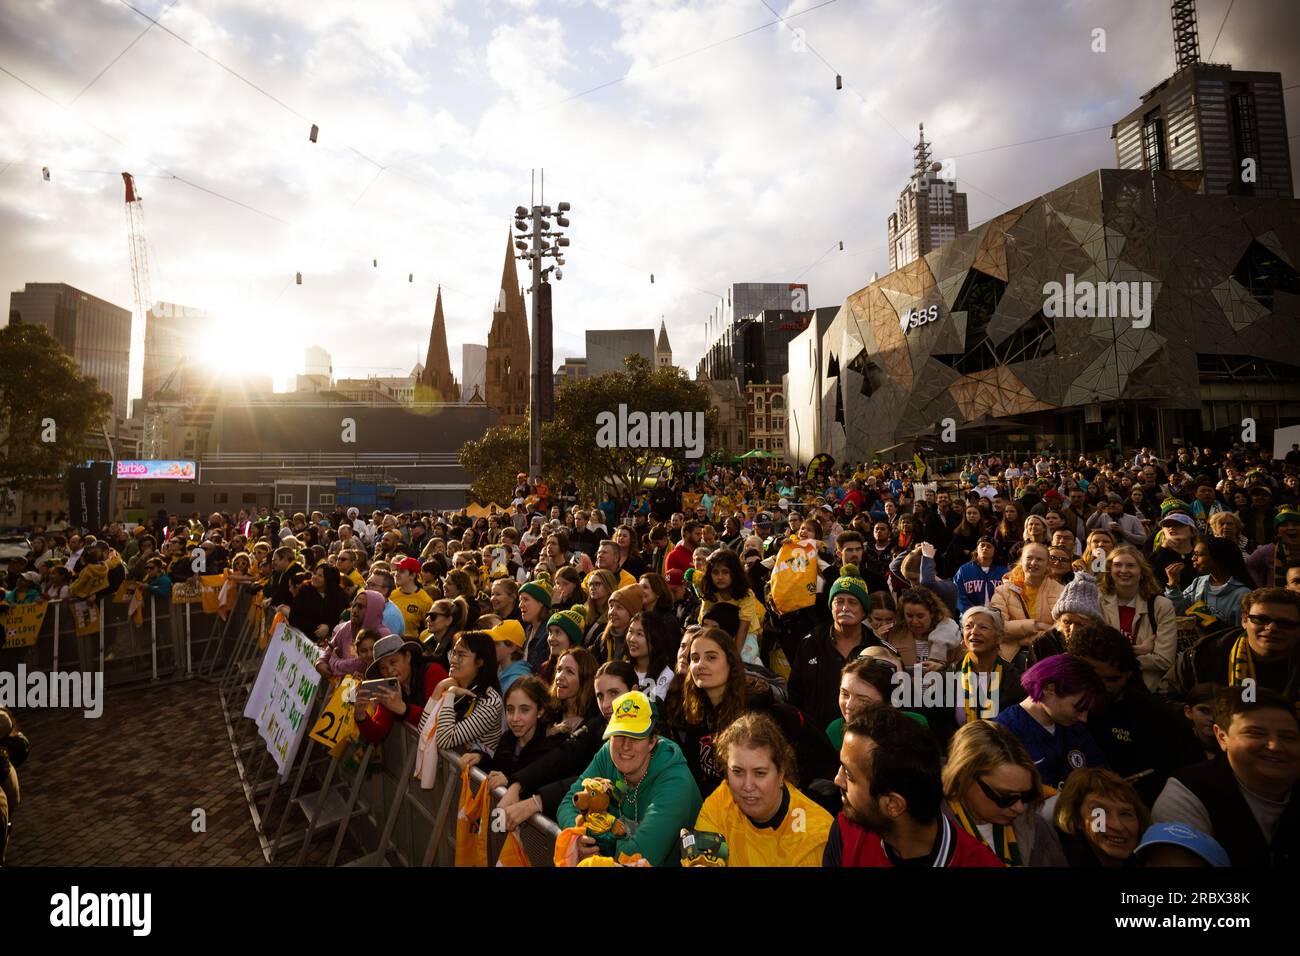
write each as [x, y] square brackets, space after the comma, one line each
[282, 695]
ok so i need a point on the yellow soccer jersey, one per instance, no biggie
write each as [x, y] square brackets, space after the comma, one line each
[799, 840]
[414, 607]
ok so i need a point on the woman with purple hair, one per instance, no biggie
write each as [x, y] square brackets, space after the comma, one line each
[1052, 719]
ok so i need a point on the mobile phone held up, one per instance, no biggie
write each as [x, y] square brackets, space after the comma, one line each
[372, 689]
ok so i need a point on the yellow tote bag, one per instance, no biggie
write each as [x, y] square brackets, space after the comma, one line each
[794, 576]
[471, 817]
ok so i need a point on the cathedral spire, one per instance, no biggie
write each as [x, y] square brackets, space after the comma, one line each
[508, 348]
[437, 364]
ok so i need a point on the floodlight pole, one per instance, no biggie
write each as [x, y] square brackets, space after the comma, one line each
[535, 381]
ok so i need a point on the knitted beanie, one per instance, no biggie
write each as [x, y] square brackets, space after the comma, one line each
[573, 622]
[850, 582]
[539, 589]
[631, 597]
[1174, 504]
[695, 579]
[1285, 514]
[1080, 596]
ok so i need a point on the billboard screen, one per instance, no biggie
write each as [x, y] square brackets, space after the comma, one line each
[140, 470]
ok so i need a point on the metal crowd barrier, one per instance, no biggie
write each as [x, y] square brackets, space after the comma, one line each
[365, 793]
[173, 642]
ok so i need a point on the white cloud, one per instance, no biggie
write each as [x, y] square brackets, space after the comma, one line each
[738, 163]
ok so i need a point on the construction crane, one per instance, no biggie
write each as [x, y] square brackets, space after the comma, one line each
[138, 247]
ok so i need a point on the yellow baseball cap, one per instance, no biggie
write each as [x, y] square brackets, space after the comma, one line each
[510, 631]
[631, 717]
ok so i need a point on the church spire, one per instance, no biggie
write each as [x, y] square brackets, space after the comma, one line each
[437, 364]
[508, 348]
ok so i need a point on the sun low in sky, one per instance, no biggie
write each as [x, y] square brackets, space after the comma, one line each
[705, 143]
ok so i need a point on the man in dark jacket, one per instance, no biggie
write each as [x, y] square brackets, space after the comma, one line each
[822, 654]
[1246, 799]
[850, 548]
[1266, 650]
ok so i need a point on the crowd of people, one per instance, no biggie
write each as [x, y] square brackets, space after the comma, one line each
[1032, 661]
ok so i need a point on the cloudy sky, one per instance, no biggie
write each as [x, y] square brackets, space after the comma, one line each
[703, 141]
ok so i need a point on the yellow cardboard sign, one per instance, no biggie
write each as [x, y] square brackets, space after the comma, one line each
[85, 617]
[335, 728]
[23, 623]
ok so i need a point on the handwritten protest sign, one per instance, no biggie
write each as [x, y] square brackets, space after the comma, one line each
[23, 623]
[282, 695]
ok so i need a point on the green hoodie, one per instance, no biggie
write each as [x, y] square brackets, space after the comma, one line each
[666, 801]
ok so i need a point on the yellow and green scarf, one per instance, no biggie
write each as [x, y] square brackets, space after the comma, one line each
[969, 668]
[1004, 844]
[1241, 663]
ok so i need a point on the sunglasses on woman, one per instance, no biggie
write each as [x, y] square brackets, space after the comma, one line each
[1263, 620]
[1007, 800]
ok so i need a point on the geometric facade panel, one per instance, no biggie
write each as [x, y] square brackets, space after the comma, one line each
[992, 351]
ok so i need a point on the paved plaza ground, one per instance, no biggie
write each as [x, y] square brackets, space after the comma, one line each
[121, 790]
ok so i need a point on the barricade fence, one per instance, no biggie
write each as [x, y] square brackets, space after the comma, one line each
[361, 804]
[170, 642]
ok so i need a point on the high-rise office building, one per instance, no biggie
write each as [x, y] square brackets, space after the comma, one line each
[97, 334]
[172, 343]
[929, 210]
[735, 329]
[1229, 125]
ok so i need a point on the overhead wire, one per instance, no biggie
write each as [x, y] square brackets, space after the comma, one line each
[1220, 33]
[139, 36]
[690, 53]
[382, 167]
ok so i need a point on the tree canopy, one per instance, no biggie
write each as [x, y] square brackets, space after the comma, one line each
[570, 449]
[48, 409]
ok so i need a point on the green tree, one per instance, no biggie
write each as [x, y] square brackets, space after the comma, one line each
[494, 460]
[48, 409]
[569, 448]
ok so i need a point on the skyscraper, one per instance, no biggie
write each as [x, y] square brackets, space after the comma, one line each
[436, 375]
[736, 330]
[1229, 125]
[929, 211]
[97, 334]
[507, 386]
[171, 344]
